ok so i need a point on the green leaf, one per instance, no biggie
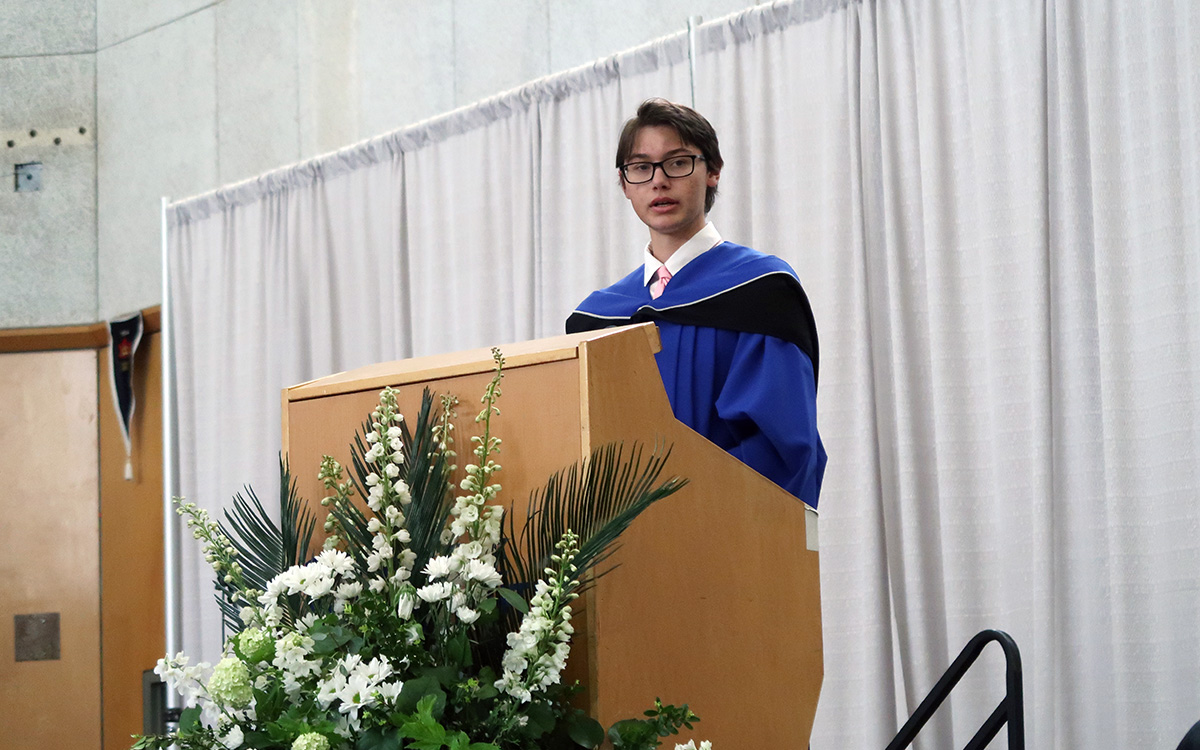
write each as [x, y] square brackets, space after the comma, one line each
[417, 690]
[458, 649]
[487, 605]
[257, 740]
[446, 675]
[633, 734]
[426, 732]
[189, 719]
[378, 738]
[269, 703]
[515, 600]
[541, 719]
[584, 730]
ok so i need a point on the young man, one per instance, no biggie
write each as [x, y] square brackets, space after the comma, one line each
[739, 357]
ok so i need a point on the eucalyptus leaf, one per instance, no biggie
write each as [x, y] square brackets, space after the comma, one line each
[514, 599]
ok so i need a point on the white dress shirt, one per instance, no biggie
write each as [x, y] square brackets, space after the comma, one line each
[703, 241]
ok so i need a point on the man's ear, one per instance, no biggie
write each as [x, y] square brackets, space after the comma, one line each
[624, 185]
[713, 177]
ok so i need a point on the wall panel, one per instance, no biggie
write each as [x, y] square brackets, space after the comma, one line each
[49, 556]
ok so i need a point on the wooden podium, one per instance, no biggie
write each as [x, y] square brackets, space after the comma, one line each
[716, 602]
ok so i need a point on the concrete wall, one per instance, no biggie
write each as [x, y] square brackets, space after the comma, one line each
[189, 95]
[48, 237]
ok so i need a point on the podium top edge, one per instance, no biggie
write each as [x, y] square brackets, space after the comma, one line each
[467, 362]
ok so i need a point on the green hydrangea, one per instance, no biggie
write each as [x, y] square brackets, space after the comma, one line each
[256, 645]
[230, 683]
[310, 741]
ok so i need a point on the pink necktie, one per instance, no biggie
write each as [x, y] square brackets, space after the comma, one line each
[661, 277]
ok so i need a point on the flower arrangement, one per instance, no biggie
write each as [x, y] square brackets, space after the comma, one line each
[424, 622]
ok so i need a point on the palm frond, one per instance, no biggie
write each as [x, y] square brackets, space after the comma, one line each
[265, 549]
[596, 500]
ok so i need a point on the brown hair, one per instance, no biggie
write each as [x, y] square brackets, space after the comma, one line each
[691, 126]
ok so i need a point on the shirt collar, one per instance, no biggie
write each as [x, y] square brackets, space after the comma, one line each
[706, 239]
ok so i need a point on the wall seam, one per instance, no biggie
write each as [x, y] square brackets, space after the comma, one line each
[156, 27]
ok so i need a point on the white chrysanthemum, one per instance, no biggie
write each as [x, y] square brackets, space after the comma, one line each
[389, 691]
[439, 567]
[466, 614]
[290, 581]
[337, 561]
[346, 592]
[484, 573]
[435, 592]
[319, 586]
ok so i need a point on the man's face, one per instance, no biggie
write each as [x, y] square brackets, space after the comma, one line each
[672, 207]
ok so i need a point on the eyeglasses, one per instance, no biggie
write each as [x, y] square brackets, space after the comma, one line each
[637, 172]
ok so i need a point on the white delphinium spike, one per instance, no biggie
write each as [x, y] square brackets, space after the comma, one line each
[537, 652]
[182, 677]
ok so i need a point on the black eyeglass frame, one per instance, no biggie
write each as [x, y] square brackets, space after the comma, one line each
[656, 165]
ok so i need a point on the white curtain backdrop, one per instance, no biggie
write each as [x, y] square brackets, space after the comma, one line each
[995, 209]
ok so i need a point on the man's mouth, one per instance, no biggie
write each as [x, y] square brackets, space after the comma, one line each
[663, 204]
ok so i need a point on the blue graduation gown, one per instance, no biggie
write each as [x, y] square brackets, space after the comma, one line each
[739, 357]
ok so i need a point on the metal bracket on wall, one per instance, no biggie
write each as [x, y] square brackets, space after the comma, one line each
[28, 177]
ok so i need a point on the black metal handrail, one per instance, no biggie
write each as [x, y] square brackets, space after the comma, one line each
[1011, 709]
